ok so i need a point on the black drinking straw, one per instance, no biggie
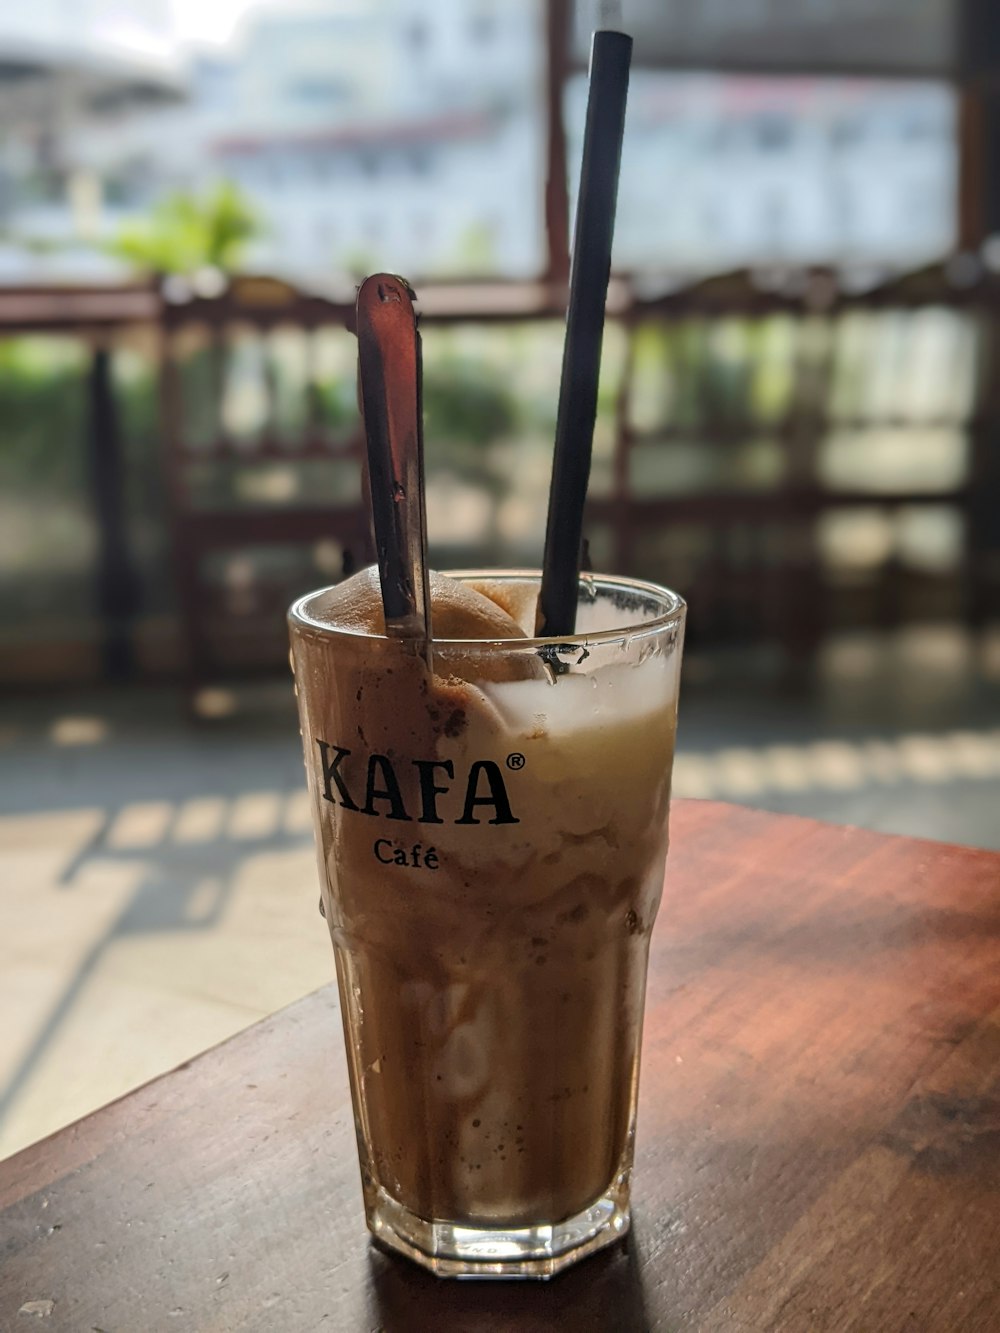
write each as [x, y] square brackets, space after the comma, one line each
[610, 54]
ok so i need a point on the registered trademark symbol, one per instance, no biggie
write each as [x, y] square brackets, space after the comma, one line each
[515, 760]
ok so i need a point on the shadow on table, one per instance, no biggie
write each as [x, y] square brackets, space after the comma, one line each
[607, 1287]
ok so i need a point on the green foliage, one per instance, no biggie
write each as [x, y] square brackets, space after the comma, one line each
[185, 232]
[475, 252]
[357, 262]
[42, 415]
[337, 404]
[466, 410]
[464, 402]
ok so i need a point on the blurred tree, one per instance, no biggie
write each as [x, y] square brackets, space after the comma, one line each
[337, 406]
[186, 232]
[466, 407]
[43, 409]
[468, 411]
[46, 528]
[475, 252]
[356, 262]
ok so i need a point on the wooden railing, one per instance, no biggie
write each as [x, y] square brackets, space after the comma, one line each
[755, 423]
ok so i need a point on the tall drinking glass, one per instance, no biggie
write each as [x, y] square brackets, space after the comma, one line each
[491, 824]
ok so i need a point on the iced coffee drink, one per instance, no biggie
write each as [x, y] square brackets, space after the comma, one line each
[491, 821]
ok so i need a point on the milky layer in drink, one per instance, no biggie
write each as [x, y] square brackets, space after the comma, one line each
[492, 839]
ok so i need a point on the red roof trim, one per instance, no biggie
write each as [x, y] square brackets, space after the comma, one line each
[397, 133]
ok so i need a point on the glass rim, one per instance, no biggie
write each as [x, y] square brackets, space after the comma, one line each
[671, 617]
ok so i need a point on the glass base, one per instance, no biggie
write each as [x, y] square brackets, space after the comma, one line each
[449, 1250]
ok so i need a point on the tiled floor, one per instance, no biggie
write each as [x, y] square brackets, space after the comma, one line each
[157, 879]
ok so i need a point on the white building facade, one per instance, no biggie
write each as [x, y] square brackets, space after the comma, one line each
[401, 135]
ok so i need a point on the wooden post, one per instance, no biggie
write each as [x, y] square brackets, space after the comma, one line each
[972, 223]
[977, 71]
[979, 219]
[117, 589]
[557, 38]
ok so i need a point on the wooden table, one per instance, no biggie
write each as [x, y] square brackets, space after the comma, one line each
[819, 1132]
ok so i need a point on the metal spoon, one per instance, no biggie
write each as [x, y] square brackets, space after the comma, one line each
[390, 366]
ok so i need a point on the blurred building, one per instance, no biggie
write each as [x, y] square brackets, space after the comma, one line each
[397, 135]
[392, 134]
[877, 37]
[721, 171]
[67, 68]
[365, 133]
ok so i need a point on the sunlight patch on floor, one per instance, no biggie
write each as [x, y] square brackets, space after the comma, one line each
[836, 765]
